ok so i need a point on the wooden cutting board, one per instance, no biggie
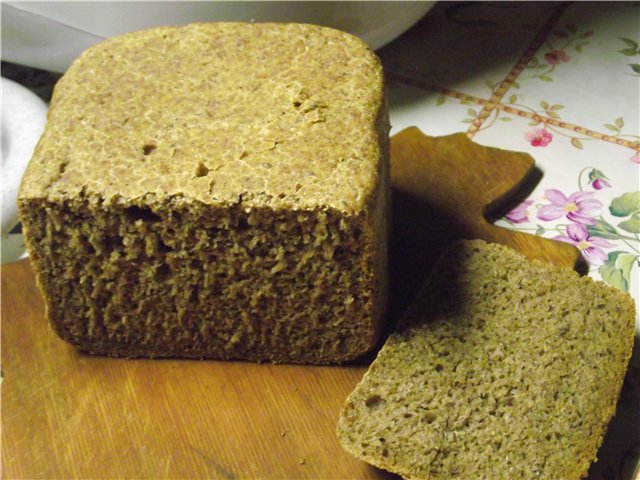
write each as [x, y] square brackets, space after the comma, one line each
[68, 415]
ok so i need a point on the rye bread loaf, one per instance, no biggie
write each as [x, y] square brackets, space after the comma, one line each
[215, 191]
[502, 368]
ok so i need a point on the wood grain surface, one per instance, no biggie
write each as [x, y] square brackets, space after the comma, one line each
[446, 188]
[68, 415]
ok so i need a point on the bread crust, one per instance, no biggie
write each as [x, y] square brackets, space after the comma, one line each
[218, 190]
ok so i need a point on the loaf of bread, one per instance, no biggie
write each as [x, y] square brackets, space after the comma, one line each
[502, 368]
[215, 191]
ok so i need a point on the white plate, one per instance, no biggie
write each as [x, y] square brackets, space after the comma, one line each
[23, 118]
[49, 35]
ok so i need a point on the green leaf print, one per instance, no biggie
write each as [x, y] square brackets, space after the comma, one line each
[629, 52]
[632, 50]
[630, 43]
[616, 271]
[632, 225]
[625, 204]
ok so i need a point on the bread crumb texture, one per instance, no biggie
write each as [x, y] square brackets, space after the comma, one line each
[502, 368]
[215, 190]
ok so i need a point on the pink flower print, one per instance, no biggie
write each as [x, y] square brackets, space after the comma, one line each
[540, 137]
[579, 207]
[519, 214]
[598, 179]
[600, 183]
[636, 158]
[555, 57]
[590, 247]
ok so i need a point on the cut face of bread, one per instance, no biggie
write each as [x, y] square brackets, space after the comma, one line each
[215, 190]
[502, 368]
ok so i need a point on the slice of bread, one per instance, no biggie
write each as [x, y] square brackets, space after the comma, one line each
[501, 368]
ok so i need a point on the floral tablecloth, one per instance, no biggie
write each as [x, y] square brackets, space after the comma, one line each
[560, 81]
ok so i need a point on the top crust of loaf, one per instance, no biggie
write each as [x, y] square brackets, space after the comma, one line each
[283, 115]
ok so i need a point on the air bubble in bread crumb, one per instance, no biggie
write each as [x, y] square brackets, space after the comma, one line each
[148, 148]
[201, 170]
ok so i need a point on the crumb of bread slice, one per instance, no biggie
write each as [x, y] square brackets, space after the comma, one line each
[501, 368]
